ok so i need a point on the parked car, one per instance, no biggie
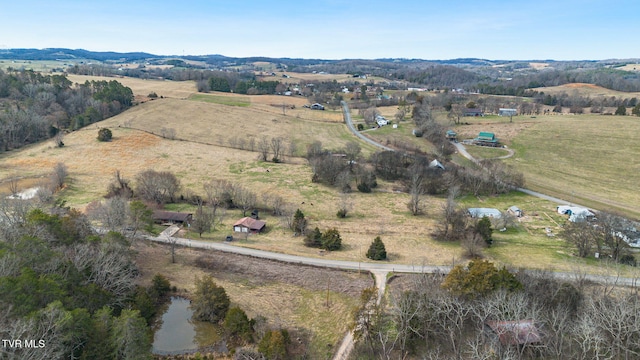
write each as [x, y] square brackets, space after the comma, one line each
[317, 106]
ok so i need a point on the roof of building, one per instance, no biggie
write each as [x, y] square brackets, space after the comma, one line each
[250, 223]
[486, 136]
[516, 332]
[481, 212]
[171, 216]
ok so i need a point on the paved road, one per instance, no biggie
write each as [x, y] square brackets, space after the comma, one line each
[347, 119]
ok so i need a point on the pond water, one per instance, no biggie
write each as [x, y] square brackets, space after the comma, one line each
[176, 333]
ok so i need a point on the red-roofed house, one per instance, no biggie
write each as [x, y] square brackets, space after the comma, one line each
[249, 225]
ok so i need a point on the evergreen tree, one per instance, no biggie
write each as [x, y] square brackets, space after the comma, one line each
[104, 134]
[377, 250]
[210, 301]
[331, 240]
[313, 239]
[299, 223]
[483, 228]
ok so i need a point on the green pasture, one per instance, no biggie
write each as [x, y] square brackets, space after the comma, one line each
[222, 100]
[587, 159]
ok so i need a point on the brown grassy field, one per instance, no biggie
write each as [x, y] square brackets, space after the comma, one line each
[408, 238]
[587, 90]
[166, 88]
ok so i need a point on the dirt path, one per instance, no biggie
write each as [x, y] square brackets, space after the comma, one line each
[346, 346]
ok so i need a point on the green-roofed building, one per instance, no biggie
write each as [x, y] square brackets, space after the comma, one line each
[486, 138]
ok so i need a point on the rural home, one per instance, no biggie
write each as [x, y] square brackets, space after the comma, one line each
[507, 112]
[482, 212]
[473, 112]
[381, 121]
[513, 333]
[249, 225]
[486, 138]
[452, 135]
[170, 217]
[576, 213]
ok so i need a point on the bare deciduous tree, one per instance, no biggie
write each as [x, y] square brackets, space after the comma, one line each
[60, 173]
[157, 186]
[263, 148]
[276, 148]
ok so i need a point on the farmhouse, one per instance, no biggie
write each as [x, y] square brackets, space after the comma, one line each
[452, 135]
[473, 112]
[482, 212]
[576, 213]
[249, 225]
[171, 217]
[507, 112]
[486, 139]
[381, 121]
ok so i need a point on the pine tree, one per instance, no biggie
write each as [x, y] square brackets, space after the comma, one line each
[299, 223]
[313, 239]
[331, 240]
[377, 250]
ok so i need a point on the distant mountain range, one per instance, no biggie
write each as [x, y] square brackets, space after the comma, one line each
[69, 54]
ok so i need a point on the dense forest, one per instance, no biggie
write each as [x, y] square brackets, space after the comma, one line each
[35, 107]
[68, 290]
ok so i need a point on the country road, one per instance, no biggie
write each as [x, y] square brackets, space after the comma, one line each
[380, 271]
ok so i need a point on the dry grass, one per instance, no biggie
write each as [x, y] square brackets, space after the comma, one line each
[166, 88]
[286, 295]
[587, 90]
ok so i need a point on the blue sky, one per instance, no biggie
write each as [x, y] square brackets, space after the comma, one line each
[331, 29]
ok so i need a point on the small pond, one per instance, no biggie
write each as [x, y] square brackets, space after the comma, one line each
[176, 333]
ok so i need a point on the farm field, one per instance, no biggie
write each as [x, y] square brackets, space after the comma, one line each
[587, 90]
[208, 129]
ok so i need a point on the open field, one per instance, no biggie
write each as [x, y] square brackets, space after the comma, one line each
[586, 159]
[141, 87]
[207, 129]
[587, 90]
[288, 296]
[295, 77]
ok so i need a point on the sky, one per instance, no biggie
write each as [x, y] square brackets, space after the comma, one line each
[331, 29]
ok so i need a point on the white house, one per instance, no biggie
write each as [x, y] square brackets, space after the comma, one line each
[381, 121]
[482, 212]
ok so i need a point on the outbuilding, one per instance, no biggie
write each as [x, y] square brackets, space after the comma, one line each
[171, 217]
[515, 211]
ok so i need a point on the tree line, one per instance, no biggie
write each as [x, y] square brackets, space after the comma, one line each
[37, 107]
[480, 311]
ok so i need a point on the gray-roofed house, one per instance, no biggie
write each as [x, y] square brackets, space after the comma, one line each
[171, 217]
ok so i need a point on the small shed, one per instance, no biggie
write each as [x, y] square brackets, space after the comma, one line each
[435, 164]
[171, 217]
[482, 212]
[515, 211]
[249, 225]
